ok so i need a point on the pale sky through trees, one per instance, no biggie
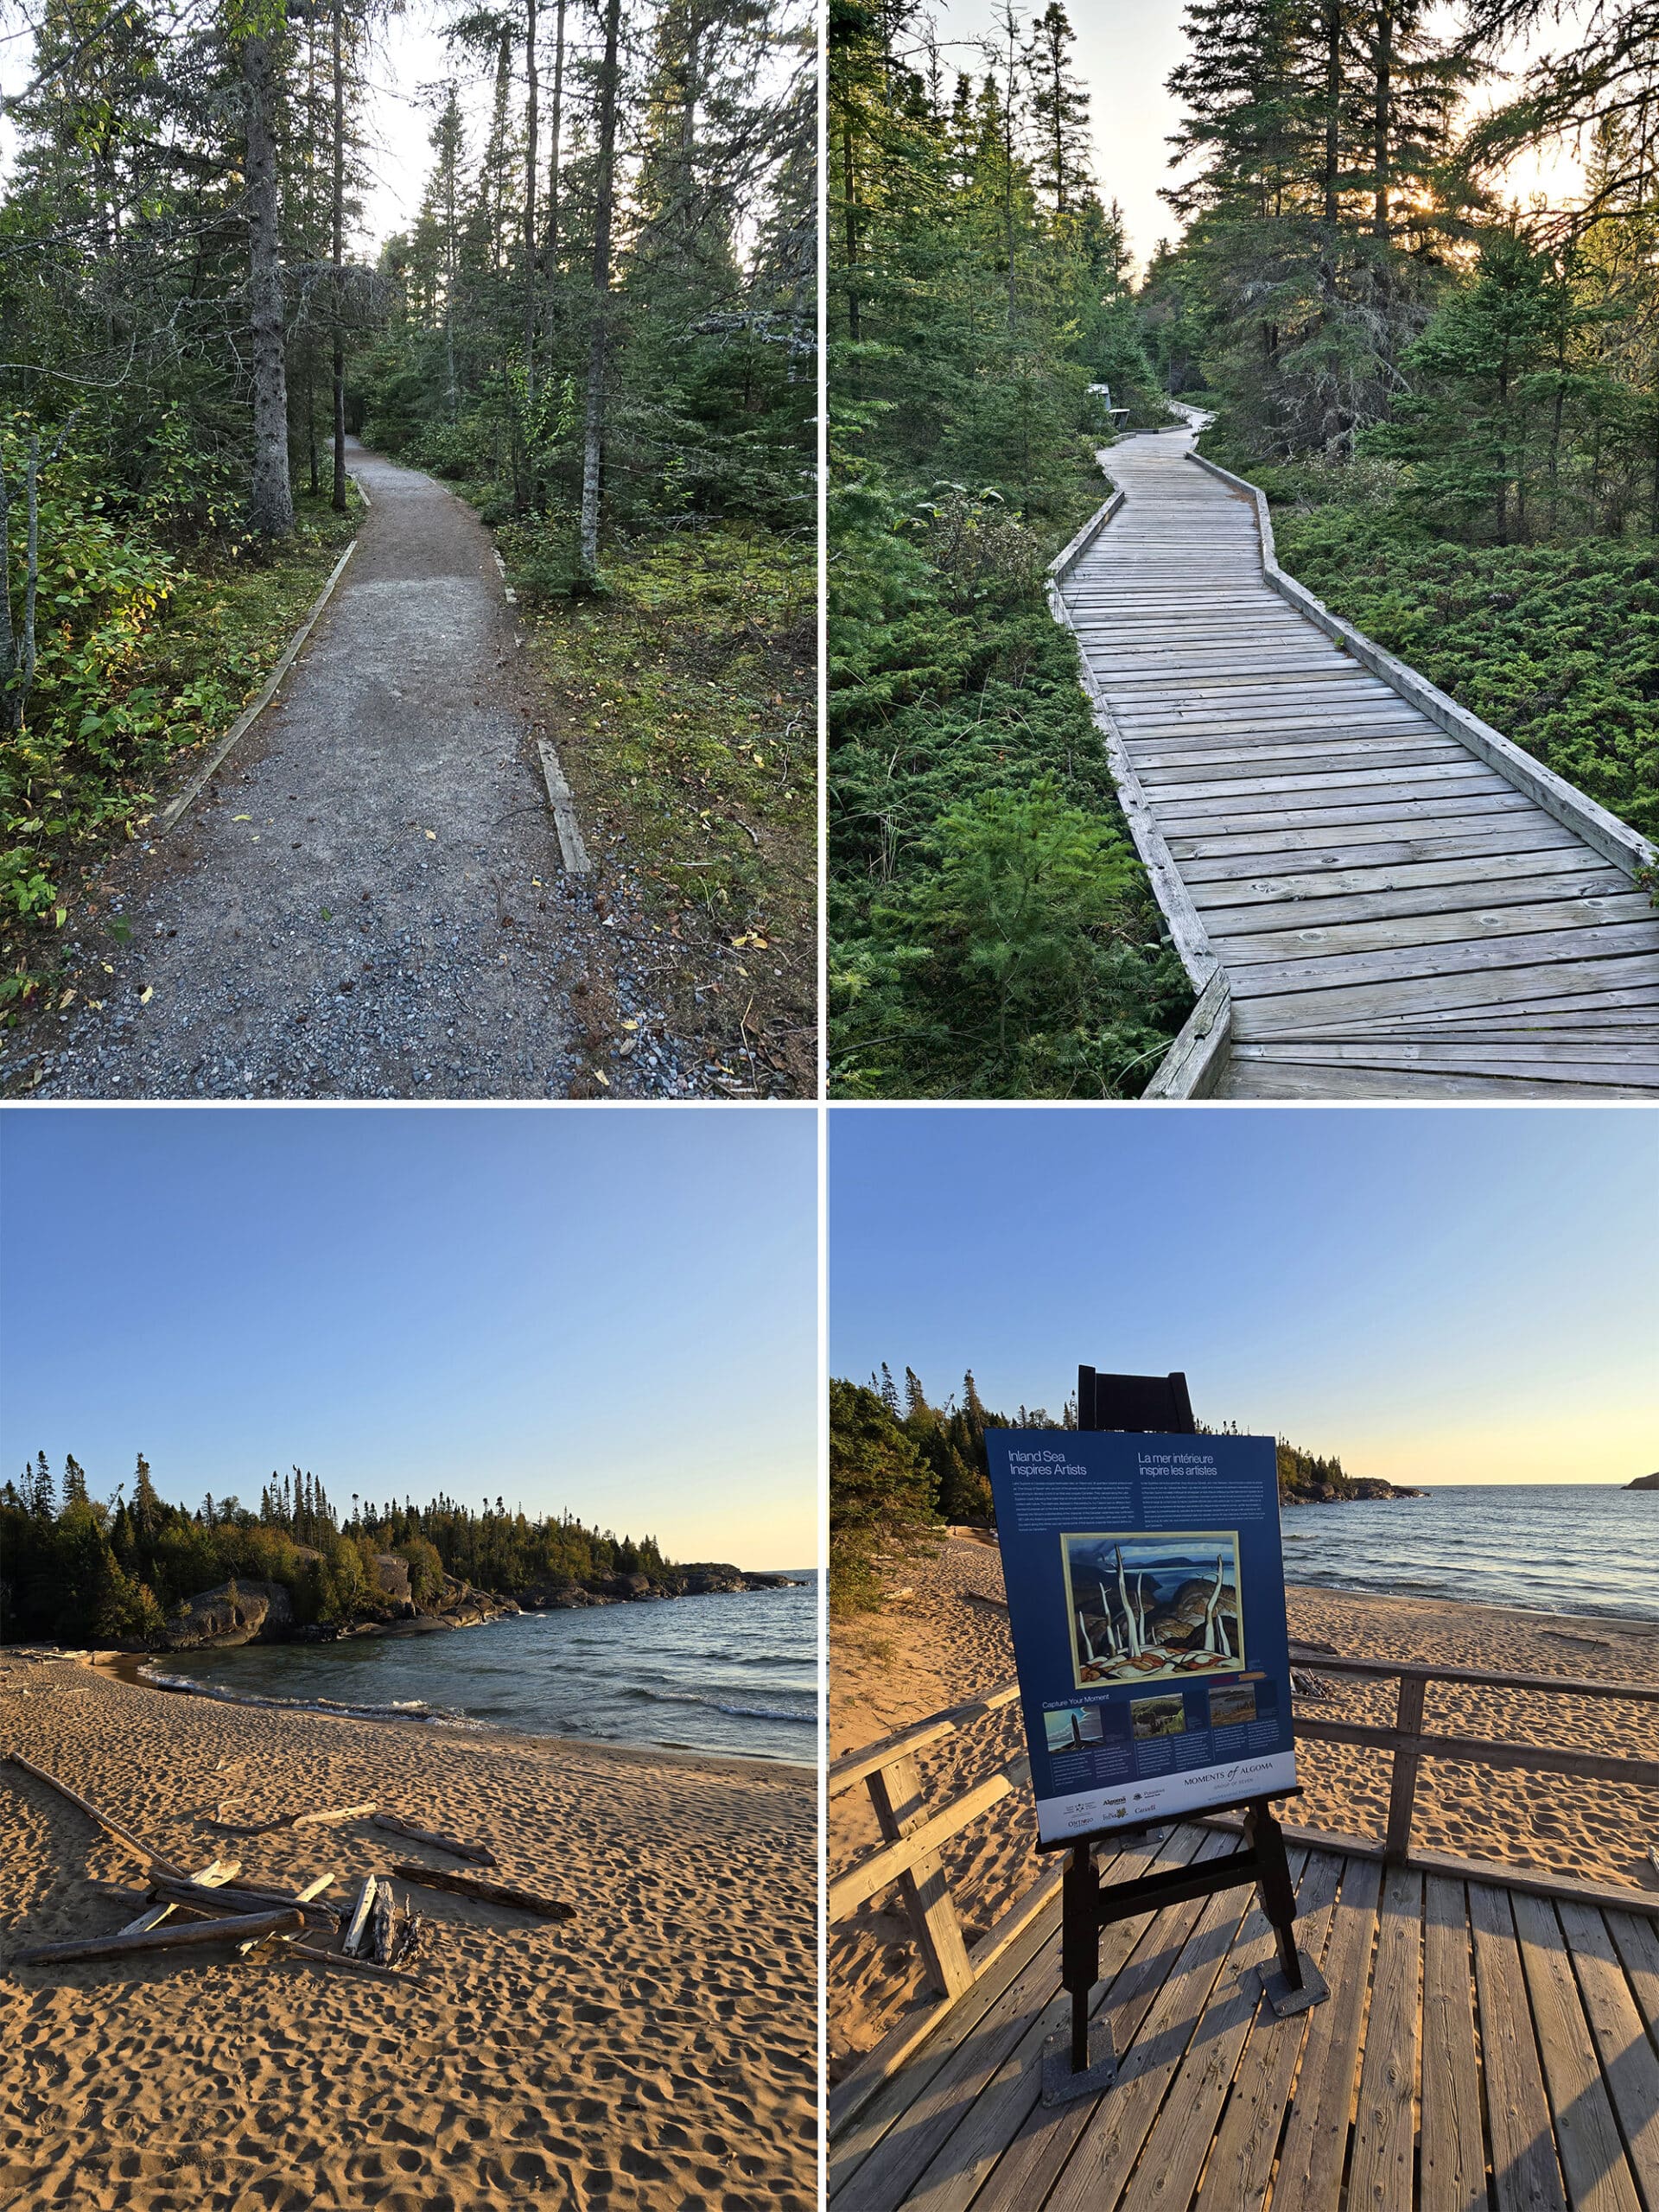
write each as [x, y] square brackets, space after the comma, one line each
[1124, 54]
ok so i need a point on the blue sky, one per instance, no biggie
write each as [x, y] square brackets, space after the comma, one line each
[1436, 1295]
[610, 1310]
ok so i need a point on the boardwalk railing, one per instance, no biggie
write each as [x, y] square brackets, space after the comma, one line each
[908, 1855]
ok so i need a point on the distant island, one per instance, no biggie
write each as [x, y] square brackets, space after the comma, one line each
[1644, 1481]
[139, 1574]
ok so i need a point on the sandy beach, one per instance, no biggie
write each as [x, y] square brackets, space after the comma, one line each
[943, 1637]
[657, 2051]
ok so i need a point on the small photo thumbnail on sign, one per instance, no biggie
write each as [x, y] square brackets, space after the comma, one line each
[1146, 1606]
[1073, 1727]
[1232, 1704]
[1158, 1716]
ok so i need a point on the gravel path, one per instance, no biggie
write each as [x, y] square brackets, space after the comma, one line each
[367, 902]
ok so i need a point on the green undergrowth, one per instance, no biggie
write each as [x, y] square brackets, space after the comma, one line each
[682, 698]
[144, 655]
[1556, 645]
[991, 931]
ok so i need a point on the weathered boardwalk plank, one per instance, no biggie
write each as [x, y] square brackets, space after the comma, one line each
[1361, 875]
[1477, 2050]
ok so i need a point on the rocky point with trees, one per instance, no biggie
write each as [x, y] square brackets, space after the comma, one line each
[139, 1572]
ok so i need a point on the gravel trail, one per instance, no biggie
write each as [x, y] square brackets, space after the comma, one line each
[367, 901]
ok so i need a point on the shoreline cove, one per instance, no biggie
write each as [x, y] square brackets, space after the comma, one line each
[692, 1678]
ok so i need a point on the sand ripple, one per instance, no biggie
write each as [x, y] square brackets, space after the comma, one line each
[657, 2051]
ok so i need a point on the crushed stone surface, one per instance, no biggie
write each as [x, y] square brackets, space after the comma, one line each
[367, 901]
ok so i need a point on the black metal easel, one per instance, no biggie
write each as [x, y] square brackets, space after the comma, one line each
[1084, 2061]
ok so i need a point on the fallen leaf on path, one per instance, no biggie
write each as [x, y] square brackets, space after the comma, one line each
[600, 1075]
[433, 834]
[65, 1000]
[241, 817]
[146, 995]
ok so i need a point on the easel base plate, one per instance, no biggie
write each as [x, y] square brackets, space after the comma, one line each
[1060, 2084]
[1282, 1999]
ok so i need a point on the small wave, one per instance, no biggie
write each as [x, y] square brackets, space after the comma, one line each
[413, 1708]
[735, 1707]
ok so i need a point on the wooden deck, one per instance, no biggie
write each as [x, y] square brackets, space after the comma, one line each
[1393, 916]
[1482, 2050]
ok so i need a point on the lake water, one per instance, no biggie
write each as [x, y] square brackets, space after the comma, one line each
[731, 1674]
[1547, 1547]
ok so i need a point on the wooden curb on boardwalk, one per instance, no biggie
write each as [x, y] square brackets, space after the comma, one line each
[246, 720]
[1614, 839]
[1193, 1063]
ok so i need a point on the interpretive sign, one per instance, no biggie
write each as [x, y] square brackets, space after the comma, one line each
[1146, 1591]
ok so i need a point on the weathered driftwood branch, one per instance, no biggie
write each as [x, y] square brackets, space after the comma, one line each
[313, 1956]
[353, 1935]
[231, 1929]
[210, 1878]
[380, 1922]
[488, 1892]
[147, 1852]
[329, 1817]
[301, 1897]
[227, 1900]
[476, 1852]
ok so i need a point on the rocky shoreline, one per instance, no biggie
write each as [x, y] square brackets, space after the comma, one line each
[1353, 1486]
[241, 1612]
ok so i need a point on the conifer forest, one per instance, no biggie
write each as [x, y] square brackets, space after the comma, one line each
[1446, 383]
[77, 1567]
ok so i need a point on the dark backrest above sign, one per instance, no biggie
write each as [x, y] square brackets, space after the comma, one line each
[1154, 1404]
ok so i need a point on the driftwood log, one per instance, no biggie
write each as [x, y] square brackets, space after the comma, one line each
[478, 1854]
[147, 1852]
[352, 1938]
[229, 1899]
[209, 1878]
[467, 1886]
[313, 1956]
[231, 1929]
[330, 1816]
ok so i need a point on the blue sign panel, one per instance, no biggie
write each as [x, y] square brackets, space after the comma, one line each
[1145, 1592]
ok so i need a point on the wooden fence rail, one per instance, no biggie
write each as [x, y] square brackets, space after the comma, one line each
[912, 1832]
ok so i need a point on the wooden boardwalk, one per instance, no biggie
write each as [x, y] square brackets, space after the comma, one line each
[1482, 2050]
[1394, 918]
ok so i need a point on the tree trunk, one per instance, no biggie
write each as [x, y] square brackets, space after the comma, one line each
[338, 262]
[1383, 119]
[848, 187]
[532, 300]
[554, 121]
[1332, 110]
[605, 192]
[339, 257]
[271, 500]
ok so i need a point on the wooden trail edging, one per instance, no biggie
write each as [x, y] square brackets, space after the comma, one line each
[1374, 895]
[246, 720]
[908, 1857]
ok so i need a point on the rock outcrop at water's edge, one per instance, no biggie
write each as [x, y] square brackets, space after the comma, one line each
[238, 1612]
[1351, 1486]
[1644, 1481]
